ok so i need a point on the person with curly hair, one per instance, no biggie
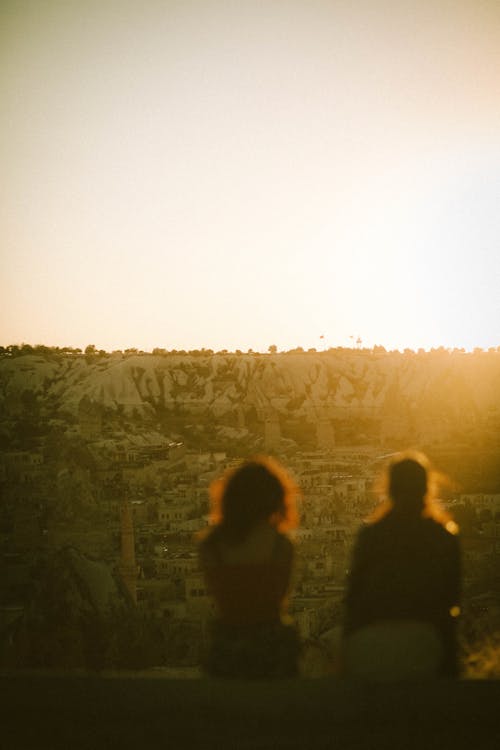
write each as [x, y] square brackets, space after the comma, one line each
[247, 558]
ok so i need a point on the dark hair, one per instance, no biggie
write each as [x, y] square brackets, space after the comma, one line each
[411, 486]
[258, 490]
[408, 482]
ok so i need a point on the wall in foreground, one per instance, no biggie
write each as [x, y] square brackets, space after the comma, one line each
[93, 713]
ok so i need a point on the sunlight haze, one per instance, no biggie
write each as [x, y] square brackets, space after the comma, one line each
[235, 175]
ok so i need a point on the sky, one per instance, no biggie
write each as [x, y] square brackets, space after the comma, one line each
[232, 175]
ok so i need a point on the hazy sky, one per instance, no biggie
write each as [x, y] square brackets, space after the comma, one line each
[237, 174]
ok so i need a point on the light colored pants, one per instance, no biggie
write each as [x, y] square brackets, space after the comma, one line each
[393, 650]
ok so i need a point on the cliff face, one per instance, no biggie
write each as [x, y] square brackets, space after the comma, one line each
[451, 386]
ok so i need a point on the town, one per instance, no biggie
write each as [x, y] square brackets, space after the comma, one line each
[101, 507]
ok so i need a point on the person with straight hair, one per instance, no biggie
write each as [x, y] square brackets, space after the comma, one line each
[403, 587]
[247, 559]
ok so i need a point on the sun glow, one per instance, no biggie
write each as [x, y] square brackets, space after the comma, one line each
[201, 175]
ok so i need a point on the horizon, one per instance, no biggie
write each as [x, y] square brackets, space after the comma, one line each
[91, 349]
[204, 174]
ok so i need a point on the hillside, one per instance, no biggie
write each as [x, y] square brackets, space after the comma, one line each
[424, 397]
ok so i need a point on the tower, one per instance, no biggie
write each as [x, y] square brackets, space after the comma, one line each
[128, 565]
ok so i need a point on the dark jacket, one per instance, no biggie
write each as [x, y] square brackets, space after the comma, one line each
[406, 569]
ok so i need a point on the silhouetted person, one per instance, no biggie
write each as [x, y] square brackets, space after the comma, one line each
[403, 588]
[247, 560]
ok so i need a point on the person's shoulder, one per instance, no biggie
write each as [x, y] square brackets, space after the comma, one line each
[283, 548]
[207, 536]
[372, 529]
[208, 544]
[382, 531]
[447, 528]
[443, 533]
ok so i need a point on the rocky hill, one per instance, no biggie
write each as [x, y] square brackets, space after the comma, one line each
[424, 394]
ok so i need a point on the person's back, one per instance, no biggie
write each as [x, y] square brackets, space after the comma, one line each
[249, 581]
[405, 569]
[247, 560]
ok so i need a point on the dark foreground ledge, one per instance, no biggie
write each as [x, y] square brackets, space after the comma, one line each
[91, 712]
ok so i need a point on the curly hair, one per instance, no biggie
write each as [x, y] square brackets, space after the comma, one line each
[259, 489]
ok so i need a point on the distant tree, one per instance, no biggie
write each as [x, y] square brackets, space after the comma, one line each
[43, 350]
[272, 349]
[90, 353]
